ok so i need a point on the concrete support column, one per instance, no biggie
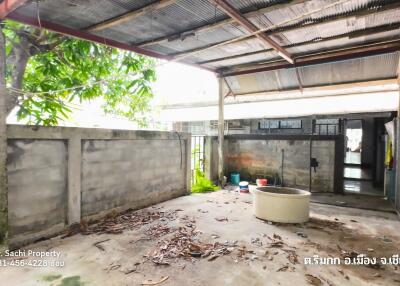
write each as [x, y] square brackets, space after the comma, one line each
[74, 180]
[208, 157]
[397, 147]
[3, 147]
[221, 132]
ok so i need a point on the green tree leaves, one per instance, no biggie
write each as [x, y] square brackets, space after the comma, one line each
[61, 70]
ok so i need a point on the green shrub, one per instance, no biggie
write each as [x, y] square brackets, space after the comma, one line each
[201, 183]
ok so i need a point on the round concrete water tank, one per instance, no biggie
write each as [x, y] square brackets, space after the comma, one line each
[284, 205]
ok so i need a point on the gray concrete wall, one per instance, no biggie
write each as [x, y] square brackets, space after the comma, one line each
[117, 173]
[57, 176]
[37, 184]
[254, 158]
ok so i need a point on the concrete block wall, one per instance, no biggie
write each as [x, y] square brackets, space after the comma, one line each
[37, 187]
[58, 176]
[255, 156]
[118, 172]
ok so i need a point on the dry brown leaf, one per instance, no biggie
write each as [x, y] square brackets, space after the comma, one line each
[283, 268]
[151, 282]
[313, 280]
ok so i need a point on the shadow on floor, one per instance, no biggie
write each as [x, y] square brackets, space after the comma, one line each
[354, 201]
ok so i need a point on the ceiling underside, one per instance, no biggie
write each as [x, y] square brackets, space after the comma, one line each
[187, 30]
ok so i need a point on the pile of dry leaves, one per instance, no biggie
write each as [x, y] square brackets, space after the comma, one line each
[116, 223]
[185, 244]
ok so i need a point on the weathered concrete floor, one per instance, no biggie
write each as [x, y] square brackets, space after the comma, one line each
[362, 230]
[354, 200]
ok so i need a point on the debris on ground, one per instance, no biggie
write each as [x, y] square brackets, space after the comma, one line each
[185, 244]
[112, 267]
[353, 255]
[76, 228]
[292, 256]
[158, 230]
[286, 268]
[323, 224]
[269, 256]
[329, 282]
[302, 234]
[129, 271]
[345, 275]
[187, 220]
[283, 268]
[256, 241]
[99, 246]
[116, 223]
[347, 254]
[313, 280]
[276, 241]
[221, 219]
[152, 282]
[242, 253]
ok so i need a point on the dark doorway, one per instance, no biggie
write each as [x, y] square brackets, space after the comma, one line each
[361, 161]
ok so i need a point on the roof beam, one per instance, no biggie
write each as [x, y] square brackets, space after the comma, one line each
[129, 16]
[221, 23]
[350, 35]
[250, 27]
[7, 6]
[83, 35]
[319, 58]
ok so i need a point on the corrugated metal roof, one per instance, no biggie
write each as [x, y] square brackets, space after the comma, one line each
[356, 70]
[189, 15]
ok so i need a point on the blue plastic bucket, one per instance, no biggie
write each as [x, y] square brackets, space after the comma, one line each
[235, 178]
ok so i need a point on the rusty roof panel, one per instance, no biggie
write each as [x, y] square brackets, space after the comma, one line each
[264, 81]
[364, 69]
[72, 13]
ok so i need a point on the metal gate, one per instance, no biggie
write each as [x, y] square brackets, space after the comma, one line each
[197, 160]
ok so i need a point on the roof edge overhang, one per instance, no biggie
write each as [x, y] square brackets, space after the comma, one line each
[317, 58]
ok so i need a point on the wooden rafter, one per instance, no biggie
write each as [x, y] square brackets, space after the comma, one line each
[351, 35]
[250, 27]
[221, 23]
[129, 16]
